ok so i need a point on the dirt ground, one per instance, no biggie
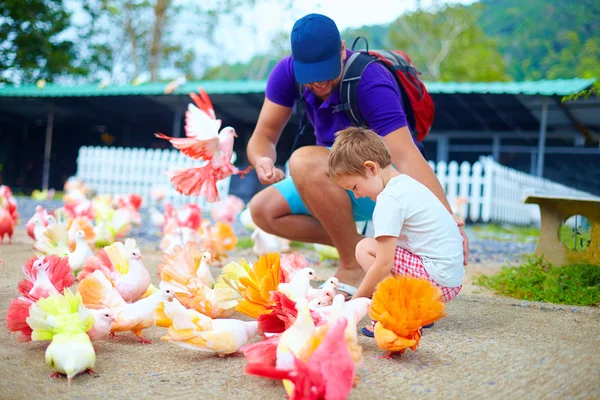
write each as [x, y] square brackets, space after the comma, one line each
[486, 346]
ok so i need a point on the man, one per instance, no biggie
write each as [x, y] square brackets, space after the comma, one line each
[309, 206]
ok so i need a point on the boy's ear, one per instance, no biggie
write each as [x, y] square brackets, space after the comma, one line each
[371, 166]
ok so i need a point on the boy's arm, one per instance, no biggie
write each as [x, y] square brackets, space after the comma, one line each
[381, 268]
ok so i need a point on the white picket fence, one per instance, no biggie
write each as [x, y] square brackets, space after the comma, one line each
[494, 192]
[118, 171]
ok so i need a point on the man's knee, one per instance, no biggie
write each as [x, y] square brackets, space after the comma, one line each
[309, 161]
[259, 210]
[266, 206]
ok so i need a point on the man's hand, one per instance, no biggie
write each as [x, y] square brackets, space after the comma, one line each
[460, 224]
[266, 171]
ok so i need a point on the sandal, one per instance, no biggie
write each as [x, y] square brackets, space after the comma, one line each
[367, 332]
[349, 290]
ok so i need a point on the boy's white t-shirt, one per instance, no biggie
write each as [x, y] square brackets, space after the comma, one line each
[408, 210]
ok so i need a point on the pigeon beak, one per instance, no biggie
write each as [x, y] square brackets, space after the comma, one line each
[235, 134]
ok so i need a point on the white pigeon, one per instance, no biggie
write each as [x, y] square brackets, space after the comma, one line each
[98, 292]
[295, 337]
[326, 293]
[102, 233]
[157, 218]
[51, 220]
[246, 220]
[38, 229]
[354, 310]
[179, 237]
[298, 287]
[203, 272]
[81, 253]
[103, 320]
[266, 243]
[195, 331]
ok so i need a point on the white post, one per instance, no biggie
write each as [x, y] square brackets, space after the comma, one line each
[48, 148]
[177, 123]
[532, 162]
[442, 148]
[542, 138]
[496, 147]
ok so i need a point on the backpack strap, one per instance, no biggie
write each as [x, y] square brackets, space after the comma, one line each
[300, 109]
[353, 70]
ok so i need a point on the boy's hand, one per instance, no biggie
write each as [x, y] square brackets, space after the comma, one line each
[266, 171]
[460, 224]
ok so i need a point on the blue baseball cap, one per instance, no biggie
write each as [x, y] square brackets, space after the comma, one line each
[316, 45]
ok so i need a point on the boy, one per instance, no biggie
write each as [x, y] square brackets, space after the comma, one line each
[414, 234]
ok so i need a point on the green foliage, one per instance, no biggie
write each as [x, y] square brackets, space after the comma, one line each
[592, 90]
[531, 40]
[537, 280]
[546, 40]
[376, 35]
[244, 243]
[576, 240]
[258, 68]
[449, 45]
[510, 233]
[299, 245]
[31, 42]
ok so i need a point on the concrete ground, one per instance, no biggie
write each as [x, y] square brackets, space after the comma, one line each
[486, 347]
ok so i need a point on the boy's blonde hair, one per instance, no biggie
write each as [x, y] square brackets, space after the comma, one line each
[352, 147]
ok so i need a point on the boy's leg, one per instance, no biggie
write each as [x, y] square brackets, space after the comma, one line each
[366, 251]
[407, 263]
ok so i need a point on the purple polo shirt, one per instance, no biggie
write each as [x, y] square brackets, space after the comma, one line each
[378, 100]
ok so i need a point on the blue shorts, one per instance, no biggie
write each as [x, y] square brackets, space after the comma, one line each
[361, 208]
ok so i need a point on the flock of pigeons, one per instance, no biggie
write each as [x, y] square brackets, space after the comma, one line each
[87, 281]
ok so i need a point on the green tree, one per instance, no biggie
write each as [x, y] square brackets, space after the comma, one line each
[155, 37]
[377, 36]
[449, 45]
[542, 39]
[32, 43]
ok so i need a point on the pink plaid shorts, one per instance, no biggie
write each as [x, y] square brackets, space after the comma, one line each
[407, 263]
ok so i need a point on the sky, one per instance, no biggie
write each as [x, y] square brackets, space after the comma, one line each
[267, 18]
[240, 40]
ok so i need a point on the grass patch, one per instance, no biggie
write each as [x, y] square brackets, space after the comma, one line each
[247, 243]
[537, 280]
[575, 240]
[507, 232]
[244, 243]
[298, 245]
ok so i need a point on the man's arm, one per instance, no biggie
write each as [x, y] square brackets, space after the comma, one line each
[262, 144]
[381, 268]
[408, 160]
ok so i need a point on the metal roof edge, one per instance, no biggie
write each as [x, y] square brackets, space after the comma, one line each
[560, 87]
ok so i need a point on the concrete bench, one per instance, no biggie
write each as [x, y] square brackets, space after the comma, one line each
[554, 211]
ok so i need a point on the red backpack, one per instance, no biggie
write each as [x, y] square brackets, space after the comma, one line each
[417, 102]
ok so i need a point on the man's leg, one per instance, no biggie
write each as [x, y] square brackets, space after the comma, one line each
[272, 213]
[330, 205]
